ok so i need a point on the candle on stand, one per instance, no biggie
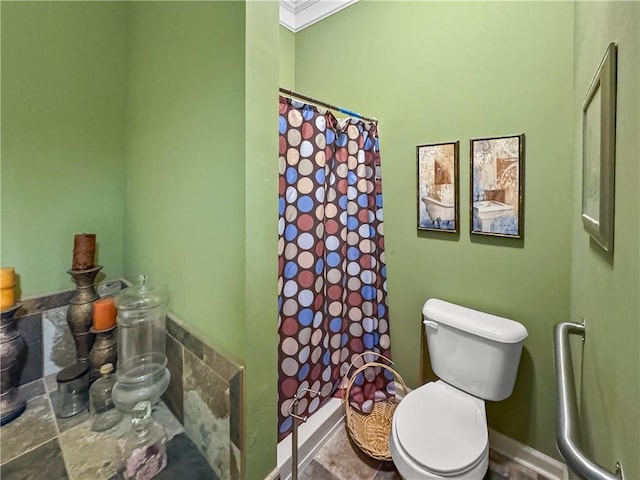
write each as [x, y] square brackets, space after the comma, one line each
[7, 287]
[104, 313]
[84, 251]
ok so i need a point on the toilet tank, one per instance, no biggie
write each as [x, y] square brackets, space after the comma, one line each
[473, 351]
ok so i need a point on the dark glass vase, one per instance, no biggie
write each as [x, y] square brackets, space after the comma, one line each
[13, 355]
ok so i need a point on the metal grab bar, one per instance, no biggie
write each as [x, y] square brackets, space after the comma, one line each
[568, 431]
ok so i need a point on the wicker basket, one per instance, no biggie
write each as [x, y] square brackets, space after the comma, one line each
[371, 431]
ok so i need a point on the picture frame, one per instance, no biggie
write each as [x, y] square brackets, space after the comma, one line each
[497, 186]
[598, 152]
[438, 187]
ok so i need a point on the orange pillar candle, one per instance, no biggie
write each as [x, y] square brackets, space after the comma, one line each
[104, 313]
[7, 287]
[84, 251]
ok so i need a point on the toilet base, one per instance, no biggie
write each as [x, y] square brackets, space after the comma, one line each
[408, 470]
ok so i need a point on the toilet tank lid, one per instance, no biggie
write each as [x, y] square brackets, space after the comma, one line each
[475, 322]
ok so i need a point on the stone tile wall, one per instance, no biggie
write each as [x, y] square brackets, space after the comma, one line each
[206, 394]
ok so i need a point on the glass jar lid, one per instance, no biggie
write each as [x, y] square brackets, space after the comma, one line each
[73, 372]
[142, 296]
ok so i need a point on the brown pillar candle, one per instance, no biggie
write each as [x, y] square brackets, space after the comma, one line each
[84, 251]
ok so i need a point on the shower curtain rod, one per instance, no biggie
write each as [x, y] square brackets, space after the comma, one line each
[291, 93]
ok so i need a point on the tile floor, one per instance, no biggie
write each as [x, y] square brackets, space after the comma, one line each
[340, 459]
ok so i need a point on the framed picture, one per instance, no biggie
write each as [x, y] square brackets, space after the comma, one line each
[598, 152]
[497, 186]
[438, 187]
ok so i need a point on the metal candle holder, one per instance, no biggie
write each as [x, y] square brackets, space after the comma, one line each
[104, 350]
[80, 311]
[13, 355]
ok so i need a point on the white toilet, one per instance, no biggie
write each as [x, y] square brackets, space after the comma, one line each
[440, 429]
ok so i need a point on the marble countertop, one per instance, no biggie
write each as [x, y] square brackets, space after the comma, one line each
[39, 445]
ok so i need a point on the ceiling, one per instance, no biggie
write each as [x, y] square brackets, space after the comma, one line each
[298, 14]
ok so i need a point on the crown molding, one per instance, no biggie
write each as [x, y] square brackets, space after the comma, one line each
[299, 14]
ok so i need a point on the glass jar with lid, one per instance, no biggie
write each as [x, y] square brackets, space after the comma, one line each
[73, 389]
[142, 364]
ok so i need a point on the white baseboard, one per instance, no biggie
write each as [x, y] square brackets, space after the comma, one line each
[274, 475]
[520, 453]
[528, 457]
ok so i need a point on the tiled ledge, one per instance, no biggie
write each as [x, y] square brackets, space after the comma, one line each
[206, 394]
[38, 442]
[48, 301]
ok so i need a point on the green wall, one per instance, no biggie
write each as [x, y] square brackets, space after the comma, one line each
[63, 100]
[443, 71]
[287, 58]
[261, 236]
[185, 191]
[201, 183]
[159, 120]
[605, 289]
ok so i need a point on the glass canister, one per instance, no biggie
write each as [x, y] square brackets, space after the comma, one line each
[73, 389]
[142, 364]
[104, 414]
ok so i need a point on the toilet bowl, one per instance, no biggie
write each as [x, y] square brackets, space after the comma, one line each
[439, 430]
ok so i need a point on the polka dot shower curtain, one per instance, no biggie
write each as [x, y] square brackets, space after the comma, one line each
[332, 275]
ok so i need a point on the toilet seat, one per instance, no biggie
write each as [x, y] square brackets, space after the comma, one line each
[441, 429]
